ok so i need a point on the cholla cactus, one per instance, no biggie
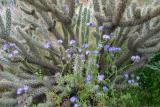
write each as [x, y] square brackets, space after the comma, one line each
[125, 17]
[49, 36]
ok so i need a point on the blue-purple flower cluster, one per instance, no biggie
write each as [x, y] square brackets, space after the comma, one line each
[111, 48]
[73, 100]
[22, 89]
[11, 49]
[135, 58]
[132, 79]
[100, 78]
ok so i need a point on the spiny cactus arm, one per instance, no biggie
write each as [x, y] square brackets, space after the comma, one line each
[31, 21]
[37, 4]
[108, 10]
[66, 36]
[35, 93]
[8, 94]
[16, 23]
[54, 2]
[143, 19]
[8, 102]
[59, 14]
[29, 42]
[36, 44]
[119, 11]
[30, 58]
[42, 63]
[29, 12]
[9, 76]
[44, 6]
[71, 4]
[96, 6]
[51, 24]
[33, 83]
[122, 36]
[140, 41]
[8, 21]
[101, 18]
[123, 58]
[2, 26]
[149, 49]
[78, 22]
[47, 104]
[24, 75]
[136, 66]
[84, 15]
[132, 40]
[152, 42]
[7, 85]
[96, 35]
[104, 5]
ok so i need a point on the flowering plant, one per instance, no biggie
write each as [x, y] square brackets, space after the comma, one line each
[71, 54]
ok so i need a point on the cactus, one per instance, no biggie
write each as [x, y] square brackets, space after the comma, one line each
[43, 30]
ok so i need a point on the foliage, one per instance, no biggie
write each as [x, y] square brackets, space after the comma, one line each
[63, 53]
[150, 81]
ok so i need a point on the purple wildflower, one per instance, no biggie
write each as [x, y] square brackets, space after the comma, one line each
[88, 78]
[76, 105]
[100, 77]
[25, 88]
[88, 52]
[68, 51]
[101, 28]
[126, 75]
[13, 45]
[94, 52]
[106, 47]
[106, 37]
[114, 49]
[73, 99]
[59, 41]
[22, 89]
[5, 46]
[131, 81]
[15, 52]
[91, 24]
[10, 55]
[72, 42]
[135, 58]
[19, 91]
[85, 46]
[47, 45]
[82, 57]
[105, 88]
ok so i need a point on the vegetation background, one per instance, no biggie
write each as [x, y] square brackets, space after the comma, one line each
[148, 94]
